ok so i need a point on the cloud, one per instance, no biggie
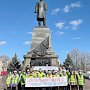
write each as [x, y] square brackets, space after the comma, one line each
[59, 25]
[55, 11]
[68, 8]
[27, 42]
[59, 33]
[75, 5]
[2, 42]
[75, 23]
[77, 38]
[71, 25]
[66, 27]
[29, 33]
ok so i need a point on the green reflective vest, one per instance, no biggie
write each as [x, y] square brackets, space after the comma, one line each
[15, 79]
[73, 80]
[80, 80]
[29, 76]
[55, 75]
[40, 74]
[22, 79]
[8, 80]
[60, 74]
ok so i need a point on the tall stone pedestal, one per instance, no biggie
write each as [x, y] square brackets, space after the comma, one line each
[41, 53]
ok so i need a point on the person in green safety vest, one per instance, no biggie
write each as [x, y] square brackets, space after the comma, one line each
[36, 75]
[44, 74]
[60, 75]
[73, 81]
[55, 74]
[14, 81]
[68, 77]
[64, 74]
[30, 74]
[49, 75]
[81, 80]
[40, 73]
[8, 81]
[22, 80]
[19, 83]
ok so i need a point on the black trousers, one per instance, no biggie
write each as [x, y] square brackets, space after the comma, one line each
[65, 88]
[8, 88]
[74, 87]
[54, 88]
[68, 87]
[43, 88]
[37, 88]
[48, 88]
[61, 88]
[19, 86]
[13, 88]
[29, 88]
[22, 87]
[80, 87]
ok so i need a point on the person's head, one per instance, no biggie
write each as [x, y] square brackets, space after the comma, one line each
[72, 72]
[53, 73]
[40, 70]
[3, 68]
[67, 70]
[40, 0]
[15, 72]
[80, 72]
[56, 72]
[19, 72]
[63, 68]
[31, 73]
[27, 67]
[49, 72]
[37, 73]
[10, 73]
[64, 72]
[24, 72]
[28, 71]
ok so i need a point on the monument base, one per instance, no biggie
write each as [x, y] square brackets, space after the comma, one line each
[41, 53]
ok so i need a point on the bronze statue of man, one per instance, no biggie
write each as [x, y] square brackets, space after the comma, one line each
[40, 9]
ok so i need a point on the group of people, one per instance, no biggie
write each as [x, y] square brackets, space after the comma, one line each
[16, 79]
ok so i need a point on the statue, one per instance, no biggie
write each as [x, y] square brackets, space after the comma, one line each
[40, 9]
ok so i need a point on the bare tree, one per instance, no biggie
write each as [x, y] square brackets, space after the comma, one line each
[74, 54]
[81, 59]
[4, 61]
[85, 60]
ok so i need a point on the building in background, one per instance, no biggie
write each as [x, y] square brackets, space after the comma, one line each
[4, 62]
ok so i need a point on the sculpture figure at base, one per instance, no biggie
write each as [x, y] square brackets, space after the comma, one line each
[40, 9]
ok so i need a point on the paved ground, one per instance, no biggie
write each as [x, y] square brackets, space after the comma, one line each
[86, 86]
[2, 83]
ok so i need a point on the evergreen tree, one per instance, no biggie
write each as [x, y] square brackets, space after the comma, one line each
[68, 62]
[14, 64]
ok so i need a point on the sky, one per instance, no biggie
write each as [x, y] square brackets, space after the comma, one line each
[68, 20]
